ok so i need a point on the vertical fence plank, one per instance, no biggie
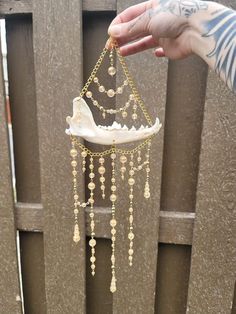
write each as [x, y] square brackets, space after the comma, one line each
[26, 152]
[213, 270]
[58, 69]
[136, 285]
[9, 280]
[183, 125]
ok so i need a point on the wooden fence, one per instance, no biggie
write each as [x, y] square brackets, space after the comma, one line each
[185, 258]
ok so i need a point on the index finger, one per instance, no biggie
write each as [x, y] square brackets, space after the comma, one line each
[131, 13]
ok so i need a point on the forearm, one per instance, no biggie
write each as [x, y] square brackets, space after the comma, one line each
[213, 37]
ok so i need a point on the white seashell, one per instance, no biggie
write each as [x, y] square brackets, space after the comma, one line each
[83, 125]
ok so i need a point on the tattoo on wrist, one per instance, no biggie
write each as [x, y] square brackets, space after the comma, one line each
[223, 29]
[184, 8]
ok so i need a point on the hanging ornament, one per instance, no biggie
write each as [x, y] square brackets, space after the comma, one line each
[131, 161]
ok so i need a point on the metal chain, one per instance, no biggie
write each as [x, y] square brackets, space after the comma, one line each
[113, 149]
[93, 73]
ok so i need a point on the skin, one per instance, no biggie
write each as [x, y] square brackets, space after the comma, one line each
[179, 28]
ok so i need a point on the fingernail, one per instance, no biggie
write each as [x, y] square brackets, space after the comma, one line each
[114, 31]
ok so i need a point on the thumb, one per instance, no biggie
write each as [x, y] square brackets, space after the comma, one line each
[129, 31]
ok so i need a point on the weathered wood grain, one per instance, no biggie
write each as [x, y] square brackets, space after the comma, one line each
[10, 7]
[10, 300]
[213, 269]
[214, 249]
[22, 95]
[58, 71]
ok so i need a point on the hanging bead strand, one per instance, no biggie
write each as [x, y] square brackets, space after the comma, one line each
[74, 153]
[131, 182]
[147, 187]
[92, 241]
[113, 223]
[101, 171]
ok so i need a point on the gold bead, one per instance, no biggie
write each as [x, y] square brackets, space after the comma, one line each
[113, 231]
[113, 188]
[113, 156]
[131, 236]
[92, 242]
[91, 167]
[102, 179]
[126, 82]
[131, 209]
[101, 160]
[74, 163]
[131, 219]
[113, 238]
[91, 185]
[101, 89]
[92, 259]
[112, 71]
[76, 197]
[124, 114]
[76, 211]
[74, 172]
[95, 79]
[146, 194]
[113, 197]
[131, 181]
[119, 90]
[131, 172]
[83, 154]
[101, 170]
[131, 251]
[91, 200]
[113, 222]
[89, 94]
[131, 97]
[91, 215]
[123, 159]
[131, 196]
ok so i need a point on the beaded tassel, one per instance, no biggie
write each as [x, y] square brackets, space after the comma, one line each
[131, 182]
[113, 223]
[74, 153]
[147, 188]
[92, 241]
[101, 171]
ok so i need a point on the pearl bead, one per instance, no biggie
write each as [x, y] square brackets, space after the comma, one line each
[92, 242]
[89, 94]
[91, 175]
[113, 222]
[74, 163]
[131, 181]
[113, 197]
[101, 89]
[92, 259]
[131, 236]
[91, 185]
[131, 251]
[110, 93]
[134, 116]
[126, 82]
[113, 188]
[113, 156]
[131, 97]
[112, 71]
[101, 170]
[101, 160]
[73, 152]
[95, 79]
[102, 179]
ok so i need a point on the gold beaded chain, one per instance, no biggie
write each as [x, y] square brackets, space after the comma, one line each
[133, 158]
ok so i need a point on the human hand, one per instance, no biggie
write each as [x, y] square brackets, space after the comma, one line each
[163, 24]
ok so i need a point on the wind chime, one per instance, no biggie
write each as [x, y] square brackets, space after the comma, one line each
[130, 161]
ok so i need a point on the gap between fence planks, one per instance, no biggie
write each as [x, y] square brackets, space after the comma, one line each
[10, 300]
[57, 38]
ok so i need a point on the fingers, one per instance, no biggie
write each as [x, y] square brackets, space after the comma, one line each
[130, 13]
[129, 31]
[140, 45]
[159, 52]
